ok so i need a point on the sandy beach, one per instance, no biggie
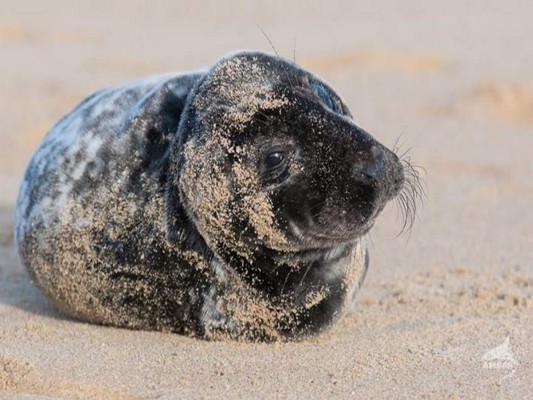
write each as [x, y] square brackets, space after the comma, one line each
[446, 310]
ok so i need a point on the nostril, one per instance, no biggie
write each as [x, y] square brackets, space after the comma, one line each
[371, 171]
[365, 178]
[382, 172]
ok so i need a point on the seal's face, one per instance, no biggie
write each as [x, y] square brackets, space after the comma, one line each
[272, 160]
[327, 178]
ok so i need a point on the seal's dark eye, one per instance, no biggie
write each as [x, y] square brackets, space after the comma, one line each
[274, 160]
[275, 165]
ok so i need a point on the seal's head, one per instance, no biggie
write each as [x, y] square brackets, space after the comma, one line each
[269, 159]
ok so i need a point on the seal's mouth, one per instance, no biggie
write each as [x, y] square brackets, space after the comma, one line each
[404, 186]
[310, 240]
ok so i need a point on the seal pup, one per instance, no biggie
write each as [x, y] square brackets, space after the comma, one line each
[224, 203]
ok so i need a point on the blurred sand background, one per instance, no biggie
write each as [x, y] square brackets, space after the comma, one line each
[455, 78]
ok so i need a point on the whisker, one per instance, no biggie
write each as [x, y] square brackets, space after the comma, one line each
[305, 274]
[285, 283]
[412, 194]
[317, 206]
[267, 38]
[395, 147]
[277, 54]
[402, 156]
[265, 123]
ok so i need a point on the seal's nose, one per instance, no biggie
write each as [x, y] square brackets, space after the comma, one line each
[382, 171]
[369, 169]
[374, 169]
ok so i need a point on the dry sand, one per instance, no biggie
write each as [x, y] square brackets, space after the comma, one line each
[454, 77]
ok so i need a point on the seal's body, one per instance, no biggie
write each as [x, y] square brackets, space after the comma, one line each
[223, 203]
